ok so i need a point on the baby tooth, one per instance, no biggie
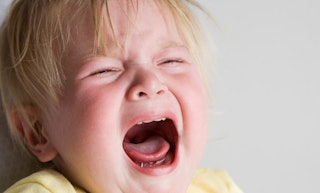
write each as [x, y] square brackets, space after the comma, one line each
[161, 161]
[141, 122]
[161, 119]
[147, 121]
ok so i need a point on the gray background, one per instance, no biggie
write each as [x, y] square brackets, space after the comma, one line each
[264, 126]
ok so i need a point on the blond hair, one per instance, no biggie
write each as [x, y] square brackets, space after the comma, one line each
[35, 36]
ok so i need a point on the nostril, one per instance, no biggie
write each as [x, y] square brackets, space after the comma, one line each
[145, 94]
[162, 91]
[146, 84]
[138, 93]
[142, 94]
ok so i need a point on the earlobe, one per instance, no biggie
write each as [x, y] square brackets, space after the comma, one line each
[31, 130]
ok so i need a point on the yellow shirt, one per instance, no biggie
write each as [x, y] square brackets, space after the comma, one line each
[51, 181]
[212, 181]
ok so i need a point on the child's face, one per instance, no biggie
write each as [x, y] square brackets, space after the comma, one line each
[135, 120]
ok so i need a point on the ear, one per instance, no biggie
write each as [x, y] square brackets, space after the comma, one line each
[30, 127]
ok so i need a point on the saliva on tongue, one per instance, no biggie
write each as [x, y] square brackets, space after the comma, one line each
[150, 152]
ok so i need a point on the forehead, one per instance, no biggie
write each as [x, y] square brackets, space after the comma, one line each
[137, 15]
[121, 22]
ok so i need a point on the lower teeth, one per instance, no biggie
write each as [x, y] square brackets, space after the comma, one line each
[151, 164]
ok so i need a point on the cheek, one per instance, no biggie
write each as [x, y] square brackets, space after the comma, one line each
[84, 132]
[191, 92]
[85, 121]
[194, 108]
[191, 96]
[196, 116]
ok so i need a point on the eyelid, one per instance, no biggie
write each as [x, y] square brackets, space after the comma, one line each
[179, 60]
[105, 70]
[100, 66]
[173, 61]
[179, 54]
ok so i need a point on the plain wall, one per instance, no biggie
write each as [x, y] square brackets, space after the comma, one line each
[264, 126]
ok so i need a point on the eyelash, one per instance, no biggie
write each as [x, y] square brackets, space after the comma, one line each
[114, 70]
[102, 71]
[171, 61]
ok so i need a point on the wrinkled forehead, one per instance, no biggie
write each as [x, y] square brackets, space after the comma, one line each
[99, 32]
[127, 16]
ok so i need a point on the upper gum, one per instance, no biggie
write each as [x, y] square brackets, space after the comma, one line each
[149, 121]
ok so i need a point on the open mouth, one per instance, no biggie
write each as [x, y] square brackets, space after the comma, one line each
[152, 144]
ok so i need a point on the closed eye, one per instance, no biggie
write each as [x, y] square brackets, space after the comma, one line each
[174, 66]
[173, 62]
[105, 71]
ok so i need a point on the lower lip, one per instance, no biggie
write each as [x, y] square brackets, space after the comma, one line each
[158, 170]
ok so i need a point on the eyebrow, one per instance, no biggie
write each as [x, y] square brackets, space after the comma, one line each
[172, 44]
[162, 46]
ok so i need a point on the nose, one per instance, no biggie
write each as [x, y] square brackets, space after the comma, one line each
[146, 84]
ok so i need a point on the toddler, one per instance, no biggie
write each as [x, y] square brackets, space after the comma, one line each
[110, 93]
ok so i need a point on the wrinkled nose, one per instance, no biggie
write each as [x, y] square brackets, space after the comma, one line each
[146, 85]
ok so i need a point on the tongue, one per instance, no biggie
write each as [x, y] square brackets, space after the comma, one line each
[151, 149]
